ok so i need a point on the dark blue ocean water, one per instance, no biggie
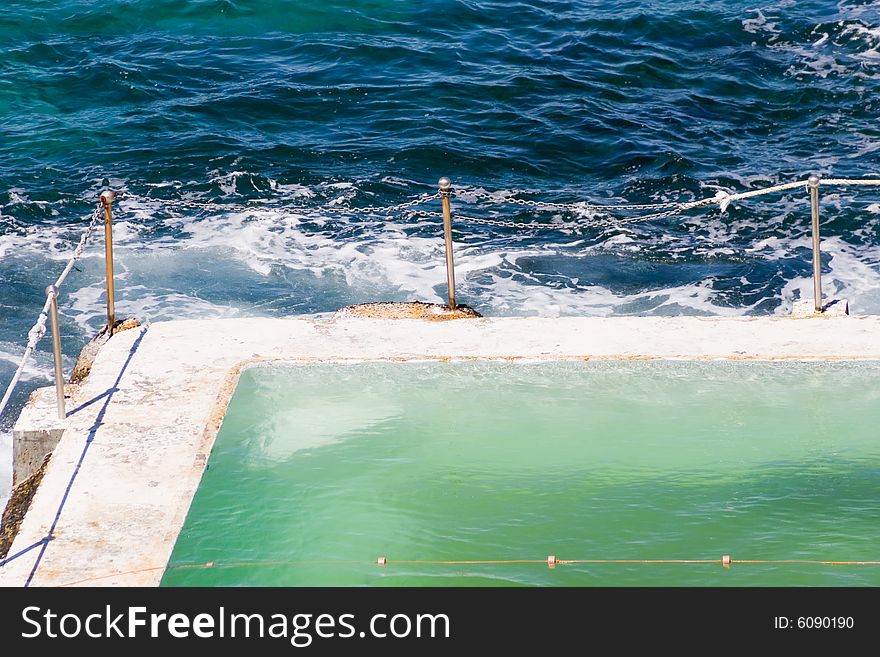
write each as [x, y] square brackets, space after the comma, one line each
[301, 105]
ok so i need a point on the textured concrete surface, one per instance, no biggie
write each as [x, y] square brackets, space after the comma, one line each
[144, 421]
[93, 347]
[408, 310]
[37, 431]
[16, 509]
[831, 308]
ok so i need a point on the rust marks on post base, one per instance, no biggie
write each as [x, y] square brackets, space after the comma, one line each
[409, 310]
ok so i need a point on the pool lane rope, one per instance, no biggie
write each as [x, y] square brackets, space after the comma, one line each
[551, 562]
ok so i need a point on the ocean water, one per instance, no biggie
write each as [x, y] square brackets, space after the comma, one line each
[320, 470]
[297, 107]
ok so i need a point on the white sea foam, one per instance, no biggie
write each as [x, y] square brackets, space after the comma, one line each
[38, 367]
[85, 306]
[760, 23]
[415, 265]
[203, 261]
[521, 295]
[854, 273]
[851, 47]
[868, 37]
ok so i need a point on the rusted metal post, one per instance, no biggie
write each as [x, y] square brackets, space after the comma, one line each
[445, 192]
[52, 292]
[107, 200]
[813, 184]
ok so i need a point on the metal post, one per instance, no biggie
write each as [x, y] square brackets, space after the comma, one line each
[107, 200]
[52, 291]
[445, 192]
[813, 184]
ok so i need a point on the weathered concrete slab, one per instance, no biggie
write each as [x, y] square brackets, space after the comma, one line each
[409, 310]
[16, 509]
[36, 432]
[88, 353]
[135, 447]
[807, 308]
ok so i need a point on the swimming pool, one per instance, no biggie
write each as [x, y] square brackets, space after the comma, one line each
[320, 470]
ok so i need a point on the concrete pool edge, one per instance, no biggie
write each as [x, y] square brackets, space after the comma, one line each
[121, 480]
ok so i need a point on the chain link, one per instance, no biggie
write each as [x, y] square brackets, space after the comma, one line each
[371, 209]
[608, 222]
[488, 222]
[408, 209]
[499, 223]
[722, 199]
[185, 203]
[256, 205]
[579, 205]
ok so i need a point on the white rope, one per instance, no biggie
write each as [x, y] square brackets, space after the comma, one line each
[721, 198]
[724, 199]
[850, 181]
[662, 210]
[38, 330]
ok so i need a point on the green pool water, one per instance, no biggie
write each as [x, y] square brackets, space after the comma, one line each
[318, 470]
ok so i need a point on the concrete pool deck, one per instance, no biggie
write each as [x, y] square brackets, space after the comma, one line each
[140, 428]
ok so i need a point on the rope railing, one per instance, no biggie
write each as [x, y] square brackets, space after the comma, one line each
[551, 561]
[844, 182]
[663, 210]
[39, 328]
[722, 199]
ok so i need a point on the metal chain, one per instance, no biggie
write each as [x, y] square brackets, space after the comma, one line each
[579, 205]
[187, 204]
[722, 199]
[479, 220]
[501, 223]
[226, 207]
[674, 208]
[372, 209]
[609, 222]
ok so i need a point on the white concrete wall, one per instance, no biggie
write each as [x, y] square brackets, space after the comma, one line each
[156, 396]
